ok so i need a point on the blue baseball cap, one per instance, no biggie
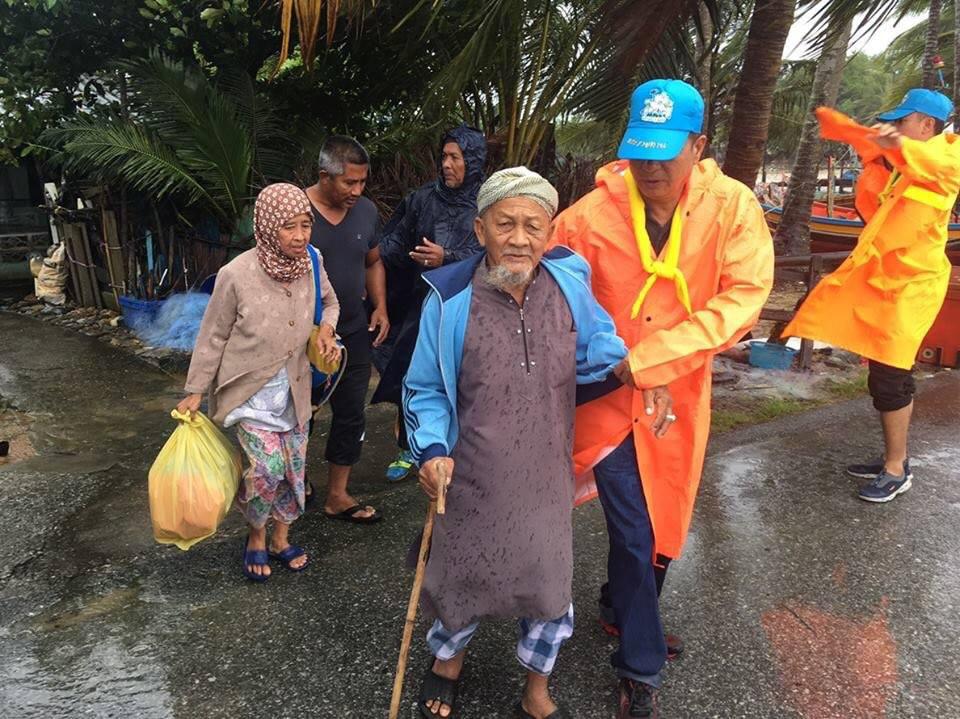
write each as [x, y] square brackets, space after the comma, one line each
[663, 113]
[928, 102]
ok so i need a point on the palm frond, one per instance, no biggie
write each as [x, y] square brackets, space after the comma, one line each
[271, 143]
[309, 14]
[603, 90]
[908, 46]
[120, 150]
[197, 122]
[827, 15]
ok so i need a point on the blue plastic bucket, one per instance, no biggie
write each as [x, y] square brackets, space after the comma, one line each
[139, 313]
[769, 355]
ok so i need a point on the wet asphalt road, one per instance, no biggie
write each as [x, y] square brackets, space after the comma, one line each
[794, 598]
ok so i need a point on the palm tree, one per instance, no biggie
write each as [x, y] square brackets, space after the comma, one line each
[791, 101]
[932, 45]
[309, 14]
[528, 62]
[793, 233]
[521, 64]
[907, 53]
[956, 54]
[704, 45]
[206, 146]
[769, 28]
[517, 69]
[874, 13]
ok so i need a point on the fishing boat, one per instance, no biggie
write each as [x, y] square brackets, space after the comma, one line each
[839, 232]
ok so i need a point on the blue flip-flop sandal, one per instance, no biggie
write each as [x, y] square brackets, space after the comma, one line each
[288, 555]
[255, 557]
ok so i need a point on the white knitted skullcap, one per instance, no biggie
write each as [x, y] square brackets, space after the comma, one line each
[517, 182]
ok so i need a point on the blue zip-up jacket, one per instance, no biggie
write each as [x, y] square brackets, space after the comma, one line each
[430, 387]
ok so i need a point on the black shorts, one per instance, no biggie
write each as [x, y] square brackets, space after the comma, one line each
[348, 403]
[892, 388]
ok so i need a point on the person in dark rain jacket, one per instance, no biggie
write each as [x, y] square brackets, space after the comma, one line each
[433, 226]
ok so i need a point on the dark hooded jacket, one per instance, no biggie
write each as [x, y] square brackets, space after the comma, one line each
[442, 215]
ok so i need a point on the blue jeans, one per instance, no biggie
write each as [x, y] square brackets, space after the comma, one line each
[630, 570]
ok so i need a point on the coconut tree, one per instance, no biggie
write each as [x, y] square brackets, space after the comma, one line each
[205, 146]
[769, 28]
[956, 54]
[793, 233]
[905, 57]
[874, 13]
[310, 14]
[791, 101]
[521, 64]
[932, 46]
[706, 47]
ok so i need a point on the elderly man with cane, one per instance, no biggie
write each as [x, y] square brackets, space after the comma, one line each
[683, 261]
[504, 339]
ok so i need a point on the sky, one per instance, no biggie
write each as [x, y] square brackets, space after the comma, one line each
[796, 47]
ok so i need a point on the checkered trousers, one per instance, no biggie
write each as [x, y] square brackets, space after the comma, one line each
[537, 648]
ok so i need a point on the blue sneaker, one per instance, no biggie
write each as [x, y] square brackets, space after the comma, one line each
[400, 467]
[885, 487]
[872, 471]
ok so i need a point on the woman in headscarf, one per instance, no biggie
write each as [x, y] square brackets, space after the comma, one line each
[433, 226]
[251, 359]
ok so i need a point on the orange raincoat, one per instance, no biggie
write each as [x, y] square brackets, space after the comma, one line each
[726, 256]
[883, 299]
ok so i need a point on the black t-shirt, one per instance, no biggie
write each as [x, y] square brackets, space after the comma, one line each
[344, 248]
[659, 234]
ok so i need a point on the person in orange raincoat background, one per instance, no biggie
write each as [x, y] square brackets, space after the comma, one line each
[682, 259]
[881, 302]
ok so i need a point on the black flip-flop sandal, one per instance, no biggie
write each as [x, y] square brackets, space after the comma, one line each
[438, 688]
[560, 713]
[347, 515]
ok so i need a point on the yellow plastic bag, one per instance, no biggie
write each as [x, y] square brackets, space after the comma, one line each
[192, 481]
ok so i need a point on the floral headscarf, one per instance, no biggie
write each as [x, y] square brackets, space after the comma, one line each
[275, 205]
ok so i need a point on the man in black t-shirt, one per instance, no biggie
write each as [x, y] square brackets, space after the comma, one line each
[345, 230]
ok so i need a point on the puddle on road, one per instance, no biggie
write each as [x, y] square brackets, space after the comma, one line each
[163, 403]
[84, 657]
[105, 604]
[104, 677]
[67, 463]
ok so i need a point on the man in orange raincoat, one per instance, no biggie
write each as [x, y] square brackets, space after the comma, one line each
[883, 299]
[682, 259]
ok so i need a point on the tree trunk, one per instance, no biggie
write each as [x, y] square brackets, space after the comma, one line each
[956, 54]
[749, 127]
[932, 46]
[793, 233]
[704, 48]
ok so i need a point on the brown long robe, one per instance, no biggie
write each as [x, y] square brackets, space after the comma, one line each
[505, 547]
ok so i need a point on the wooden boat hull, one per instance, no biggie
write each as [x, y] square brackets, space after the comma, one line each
[941, 346]
[833, 234]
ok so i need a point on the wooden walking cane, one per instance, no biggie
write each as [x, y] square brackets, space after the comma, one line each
[438, 506]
